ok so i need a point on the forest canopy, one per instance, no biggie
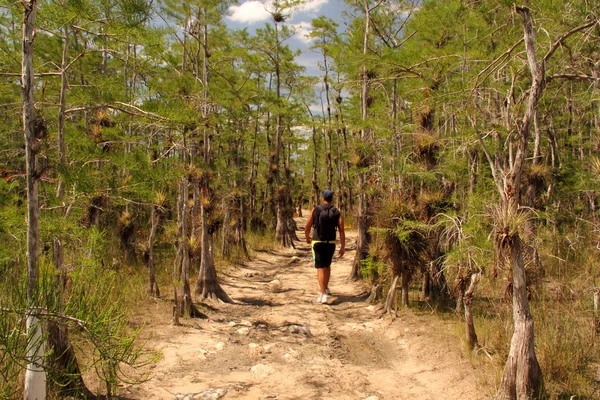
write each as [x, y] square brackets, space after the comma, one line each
[461, 139]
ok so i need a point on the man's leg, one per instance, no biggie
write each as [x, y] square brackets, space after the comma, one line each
[323, 275]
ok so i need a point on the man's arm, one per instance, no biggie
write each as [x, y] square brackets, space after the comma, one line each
[309, 224]
[342, 237]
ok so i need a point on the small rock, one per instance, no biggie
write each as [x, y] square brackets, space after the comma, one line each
[292, 355]
[275, 285]
[262, 370]
[232, 323]
[271, 396]
[372, 398]
[255, 348]
[268, 346]
[246, 323]
[248, 274]
[211, 394]
[300, 329]
[202, 354]
[220, 346]
[243, 331]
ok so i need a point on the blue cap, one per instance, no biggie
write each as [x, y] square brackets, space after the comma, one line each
[327, 195]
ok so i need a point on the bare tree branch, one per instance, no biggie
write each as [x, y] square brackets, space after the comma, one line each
[564, 37]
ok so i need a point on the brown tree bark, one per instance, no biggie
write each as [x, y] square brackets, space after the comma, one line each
[362, 219]
[154, 222]
[62, 150]
[207, 285]
[468, 302]
[390, 300]
[406, 276]
[522, 376]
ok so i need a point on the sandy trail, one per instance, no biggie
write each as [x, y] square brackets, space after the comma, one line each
[276, 342]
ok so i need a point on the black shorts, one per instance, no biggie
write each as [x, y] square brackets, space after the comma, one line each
[322, 253]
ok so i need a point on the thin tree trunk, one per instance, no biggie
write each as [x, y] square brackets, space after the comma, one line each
[154, 221]
[596, 311]
[207, 285]
[33, 130]
[426, 285]
[391, 296]
[315, 179]
[65, 372]
[241, 225]
[254, 170]
[62, 150]
[406, 275]
[182, 244]
[468, 302]
[225, 242]
[522, 376]
[363, 238]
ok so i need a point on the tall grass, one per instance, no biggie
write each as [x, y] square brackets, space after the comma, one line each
[562, 307]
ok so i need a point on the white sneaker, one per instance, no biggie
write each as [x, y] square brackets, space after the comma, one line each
[320, 298]
[327, 291]
[324, 299]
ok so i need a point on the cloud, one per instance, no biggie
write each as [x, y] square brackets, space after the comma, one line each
[312, 5]
[252, 11]
[249, 12]
[302, 30]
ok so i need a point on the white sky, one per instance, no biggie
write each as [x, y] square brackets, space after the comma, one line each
[252, 11]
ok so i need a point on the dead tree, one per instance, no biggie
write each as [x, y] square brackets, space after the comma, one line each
[522, 376]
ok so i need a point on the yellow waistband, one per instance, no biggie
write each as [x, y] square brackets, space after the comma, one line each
[323, 241]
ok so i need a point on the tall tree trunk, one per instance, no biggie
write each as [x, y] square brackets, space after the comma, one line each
[207, 285]
[154, 221]
[329, 150]
[284, 234]
[362, 220]
[62, 150]
[177, 308]
[468, 302]
[254, 168]
[406, 275]
[522, 376]
[315, 180]
[390, 301]
[182, 258]
[33, 131]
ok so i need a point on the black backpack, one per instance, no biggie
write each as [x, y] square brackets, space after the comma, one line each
[325, 220]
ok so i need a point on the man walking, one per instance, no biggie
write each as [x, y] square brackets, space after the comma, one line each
[325, 219]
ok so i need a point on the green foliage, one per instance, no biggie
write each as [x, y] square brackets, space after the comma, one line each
[92, 310]
[372, 267]
[442, 81]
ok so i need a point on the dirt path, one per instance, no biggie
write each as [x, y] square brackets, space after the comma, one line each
[276, 342]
